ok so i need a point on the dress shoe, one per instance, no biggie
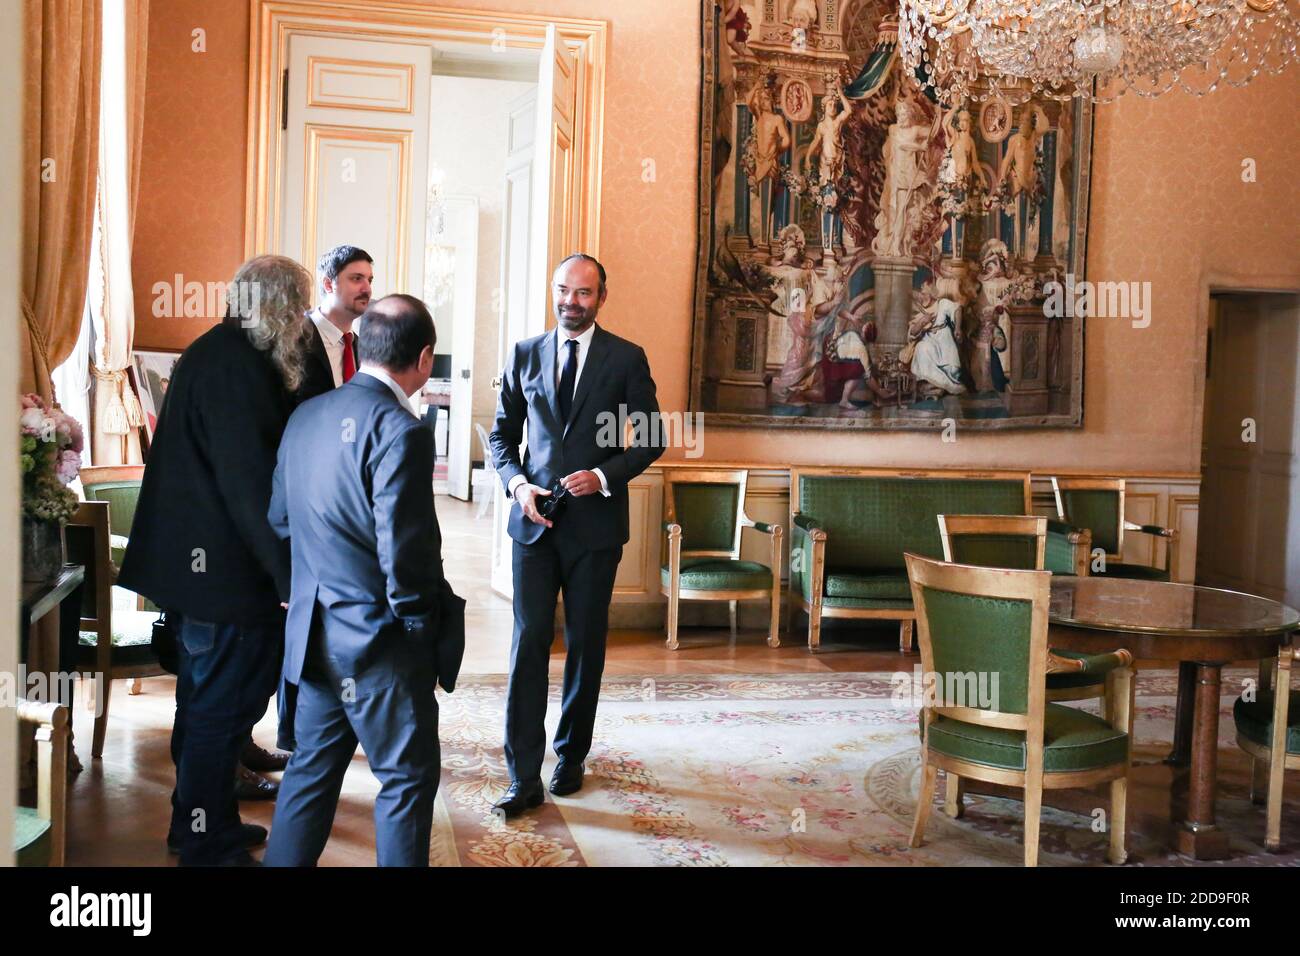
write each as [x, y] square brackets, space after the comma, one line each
[520, 797]
[251, 835]
[566, 780]
[251, 786]
[262, 760]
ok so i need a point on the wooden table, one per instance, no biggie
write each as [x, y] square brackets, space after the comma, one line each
[49, 615]
[1201, 628]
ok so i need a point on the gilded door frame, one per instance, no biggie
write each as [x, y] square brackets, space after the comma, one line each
[272, 22]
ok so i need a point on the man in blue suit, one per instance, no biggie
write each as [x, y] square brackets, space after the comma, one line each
[574, 387]
[372, 625]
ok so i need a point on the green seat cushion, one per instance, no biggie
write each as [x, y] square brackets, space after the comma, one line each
[132, 638]
[1143, 572]
[1096, 667]
[867, 604]
[1255, 720]
[879, 587]
[721, 574]
[32, 836]
[1073, 740]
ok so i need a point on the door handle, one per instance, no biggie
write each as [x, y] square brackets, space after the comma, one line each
[496, 382]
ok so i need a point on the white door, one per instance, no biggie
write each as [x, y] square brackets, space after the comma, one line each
[356, 155]
[459, 242]
[540, 228]
[1249, 518]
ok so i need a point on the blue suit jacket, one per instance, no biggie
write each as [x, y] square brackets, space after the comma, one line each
[615, 384]
[353, 493]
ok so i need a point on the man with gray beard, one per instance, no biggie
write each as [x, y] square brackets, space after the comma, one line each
[202, 549]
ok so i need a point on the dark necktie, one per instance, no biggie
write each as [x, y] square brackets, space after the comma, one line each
[567, 378]
[349, 358]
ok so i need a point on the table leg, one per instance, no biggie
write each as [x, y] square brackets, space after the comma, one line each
[1198, 836]
[1181, 755]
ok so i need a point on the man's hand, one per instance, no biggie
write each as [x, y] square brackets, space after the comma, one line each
[581, 483]
[526, 495]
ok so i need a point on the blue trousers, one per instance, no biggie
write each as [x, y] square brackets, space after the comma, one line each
[542, 572]
[392, 713]
[227, 672]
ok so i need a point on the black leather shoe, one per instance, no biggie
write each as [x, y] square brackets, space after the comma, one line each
[261, 760]
[251, 834]
[566, 780]
[252, 786]
[520, 797]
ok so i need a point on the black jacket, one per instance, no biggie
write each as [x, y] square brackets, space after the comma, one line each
[200, 542]
[320, 376]
[615, 382]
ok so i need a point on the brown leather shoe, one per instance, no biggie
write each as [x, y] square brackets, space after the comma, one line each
[252, 786]
[262, 760]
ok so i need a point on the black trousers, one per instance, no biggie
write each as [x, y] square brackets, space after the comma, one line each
[542, 572]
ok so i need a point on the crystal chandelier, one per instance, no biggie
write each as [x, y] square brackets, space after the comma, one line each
[1097, 49]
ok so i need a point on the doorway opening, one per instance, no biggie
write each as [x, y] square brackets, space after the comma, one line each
[1249, 517]
[353, 117]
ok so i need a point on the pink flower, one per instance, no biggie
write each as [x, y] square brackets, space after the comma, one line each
[33, 401]
[32, 420]
[69, 466]
[70, 430]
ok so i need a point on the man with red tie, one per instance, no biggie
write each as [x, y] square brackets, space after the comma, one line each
[346, 276]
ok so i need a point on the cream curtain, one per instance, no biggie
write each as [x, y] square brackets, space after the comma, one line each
[61, 156]
[115, 437]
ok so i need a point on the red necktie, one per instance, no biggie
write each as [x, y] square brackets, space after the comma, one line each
[349, 359]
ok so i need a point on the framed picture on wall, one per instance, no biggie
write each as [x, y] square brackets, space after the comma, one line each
[152, 371]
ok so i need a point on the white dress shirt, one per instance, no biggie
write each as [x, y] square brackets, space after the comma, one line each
[333, 341]
[374, 371]
[562, 356]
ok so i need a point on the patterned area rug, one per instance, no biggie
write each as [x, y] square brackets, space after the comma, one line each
[801, 769]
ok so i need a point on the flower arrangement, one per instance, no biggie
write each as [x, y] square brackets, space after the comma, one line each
[51, 446]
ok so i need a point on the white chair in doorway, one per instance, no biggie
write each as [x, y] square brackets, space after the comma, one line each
[484, 479]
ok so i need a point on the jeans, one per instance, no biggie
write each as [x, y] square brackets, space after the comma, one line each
[226, 675]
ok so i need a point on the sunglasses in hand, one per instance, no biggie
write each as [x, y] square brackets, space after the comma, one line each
[548, 507]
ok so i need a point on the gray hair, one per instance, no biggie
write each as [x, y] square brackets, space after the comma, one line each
[270, 296]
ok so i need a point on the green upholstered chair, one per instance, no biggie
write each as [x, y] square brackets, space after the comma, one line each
[1019, 542]
[991, 624]
[1098, 505]
[851, 526]
[40, 833]
[119, 485]
[116, 639]
[704, 513]
[1268, 728]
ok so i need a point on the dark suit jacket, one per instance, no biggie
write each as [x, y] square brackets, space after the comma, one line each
[200, 542]
[353, 492]
[320, 376]
[615, 375]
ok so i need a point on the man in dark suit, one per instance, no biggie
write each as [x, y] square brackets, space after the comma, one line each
[346, 278]
[367, 636]
[569, 518]
[202, 548]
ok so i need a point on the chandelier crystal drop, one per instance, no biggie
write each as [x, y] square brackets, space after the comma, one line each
[1094, 49]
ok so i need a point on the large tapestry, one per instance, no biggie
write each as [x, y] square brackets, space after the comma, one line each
[867, 257]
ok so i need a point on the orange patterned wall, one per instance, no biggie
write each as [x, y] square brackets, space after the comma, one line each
[1168, 207]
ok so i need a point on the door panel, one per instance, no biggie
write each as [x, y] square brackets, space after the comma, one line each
[356, 152]
[1251, 490]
